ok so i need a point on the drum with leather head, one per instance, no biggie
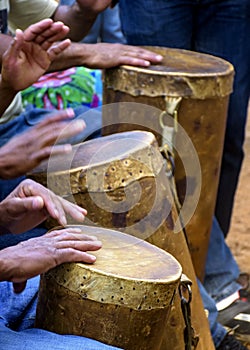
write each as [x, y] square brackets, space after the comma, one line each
[193, 89]
[123, 299]
[123, 182]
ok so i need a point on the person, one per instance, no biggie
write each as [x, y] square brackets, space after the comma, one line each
[79, 17]
[25, 151]
[106, 28]
[30, 204]
[208, 27]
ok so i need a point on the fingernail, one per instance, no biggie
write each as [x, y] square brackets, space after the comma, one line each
[92, 258]
[70, 112]
[67, 148]
[63, 220]
[159, 57]
[79, 125]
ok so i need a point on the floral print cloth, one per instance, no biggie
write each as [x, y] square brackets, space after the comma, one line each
[72, 87]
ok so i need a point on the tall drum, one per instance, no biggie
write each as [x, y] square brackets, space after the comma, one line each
[123, 299]
[122, 180]
[193, 89]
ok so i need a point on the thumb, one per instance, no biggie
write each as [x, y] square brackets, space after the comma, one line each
[20, 205]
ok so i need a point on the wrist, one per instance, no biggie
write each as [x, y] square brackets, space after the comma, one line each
[7, 88]
[7, 94]
[6, 268]
[5, 164]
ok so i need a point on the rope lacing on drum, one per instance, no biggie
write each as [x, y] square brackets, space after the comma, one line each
[190, 340]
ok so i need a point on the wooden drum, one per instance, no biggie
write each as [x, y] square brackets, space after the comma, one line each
[123, 299]
[193, 89]
[122, 181]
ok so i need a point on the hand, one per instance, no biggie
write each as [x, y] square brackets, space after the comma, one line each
[31, 53]
[25, 151]
[31, 203]
[37, 255]
[105, 55]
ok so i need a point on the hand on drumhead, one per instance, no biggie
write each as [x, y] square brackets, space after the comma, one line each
[106, 55]
[31, 203]
[26, 151]
[38, 255]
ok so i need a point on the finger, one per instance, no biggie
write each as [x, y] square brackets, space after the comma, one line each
[56, 49]
[57, 116]
[79, 245]
[34, 30]
[45, 153]
[18, 287]
[49, 134]
[15, 46]
[76, 212]
[143, 54]
[59, 233]
[69, 234]
[72, 255]
[23, 205]
[54, 35]
[132, 61]
[55, 206]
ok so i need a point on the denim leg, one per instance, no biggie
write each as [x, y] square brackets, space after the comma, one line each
[217, 331]
[221, 269]
[223, 30]
[17, 315]
[158, 23]
[37, 339]
[220, 28]
[18, 311]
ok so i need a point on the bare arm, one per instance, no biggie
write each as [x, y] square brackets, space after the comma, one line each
[103, 55]
[80, 16]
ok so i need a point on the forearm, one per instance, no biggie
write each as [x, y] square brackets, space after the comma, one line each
[9, 264]
[7, 171]
[6, 96]
[5, 270]
[80, 21]
[77, 54]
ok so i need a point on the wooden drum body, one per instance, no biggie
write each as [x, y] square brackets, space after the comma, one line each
[193, 88]
[123, 299]
[121, 180]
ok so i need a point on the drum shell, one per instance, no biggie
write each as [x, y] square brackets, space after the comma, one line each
[128, 313]
[144, 220]
[202, 113]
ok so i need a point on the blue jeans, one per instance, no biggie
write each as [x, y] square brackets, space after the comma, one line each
[206, 26]
[17, 316]
[220, 28]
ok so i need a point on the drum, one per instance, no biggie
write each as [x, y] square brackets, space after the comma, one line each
[193, 89]
[123, 299]
[122, 180]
